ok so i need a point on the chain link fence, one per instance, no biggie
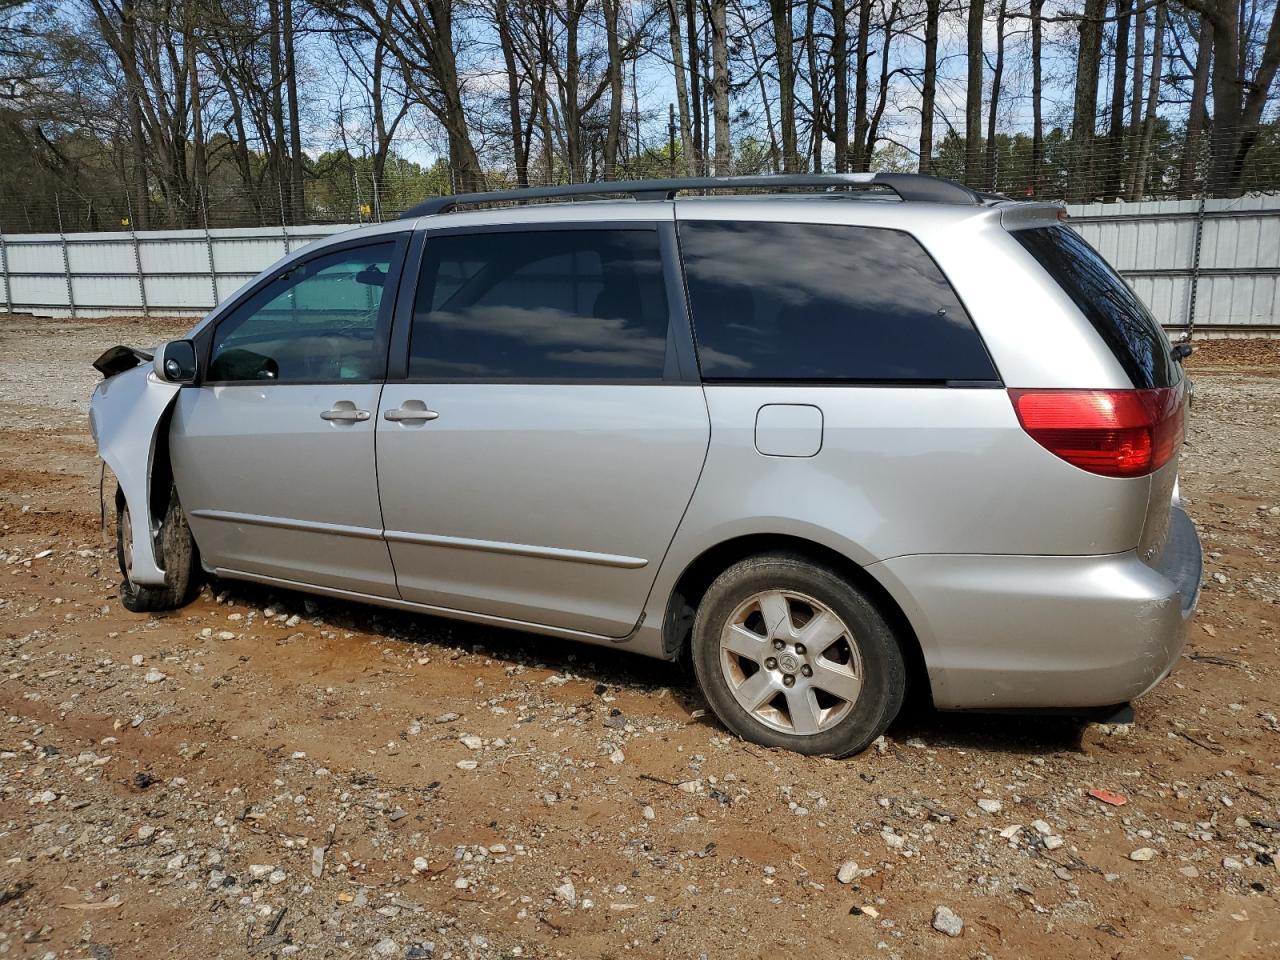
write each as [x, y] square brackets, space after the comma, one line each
[1134, 165]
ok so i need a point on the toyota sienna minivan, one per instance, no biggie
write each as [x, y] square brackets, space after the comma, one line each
[855, 433]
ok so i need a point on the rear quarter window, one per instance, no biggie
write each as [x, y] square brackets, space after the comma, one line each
[818, 302]
[1121, 318]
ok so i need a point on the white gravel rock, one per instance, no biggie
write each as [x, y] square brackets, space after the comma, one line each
[946, 920]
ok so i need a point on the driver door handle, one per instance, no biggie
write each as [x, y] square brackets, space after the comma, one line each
[413, 411]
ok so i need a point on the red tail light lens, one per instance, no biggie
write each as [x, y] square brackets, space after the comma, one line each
[1113, 433]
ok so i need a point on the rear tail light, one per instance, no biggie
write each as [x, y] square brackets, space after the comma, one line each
[1113, 433]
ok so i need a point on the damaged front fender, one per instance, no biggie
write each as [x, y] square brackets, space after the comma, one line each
[125, 416]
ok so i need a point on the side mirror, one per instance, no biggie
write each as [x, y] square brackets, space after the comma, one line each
[175, 362]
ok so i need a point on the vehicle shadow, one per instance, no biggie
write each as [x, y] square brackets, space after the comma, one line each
[615, 668]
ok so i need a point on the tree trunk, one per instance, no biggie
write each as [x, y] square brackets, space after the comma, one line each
[997, 76]
[973, 98]
[142, 196]
[782, 41]
[682, 91]
[297, 197]
[1037, 88]
[695, 83]
[1139, 186]
[860, 161]
[506, 39]
[199, 157]
[1114, 159]
[1198, 112]
[1139, 83]
[929, 84]
[1238, 100]
[720, 85]
[840, 66]
[1084, 115]
[815, 85]
[613, 135]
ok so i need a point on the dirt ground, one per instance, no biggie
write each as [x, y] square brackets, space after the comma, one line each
[265, 774]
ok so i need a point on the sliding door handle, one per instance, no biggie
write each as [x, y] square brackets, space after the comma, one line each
[412, 411]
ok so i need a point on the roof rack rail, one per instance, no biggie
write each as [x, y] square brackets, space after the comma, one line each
[908, 186]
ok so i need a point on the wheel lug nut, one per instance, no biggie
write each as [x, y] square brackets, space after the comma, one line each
[807, 670]
[778, 644]
[771, 663]
[788, 680]
[800, 649]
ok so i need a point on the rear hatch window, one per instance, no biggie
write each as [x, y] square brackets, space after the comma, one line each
[1116, 312]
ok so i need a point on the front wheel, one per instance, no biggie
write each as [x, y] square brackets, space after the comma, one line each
[175, 553]
[790, 654]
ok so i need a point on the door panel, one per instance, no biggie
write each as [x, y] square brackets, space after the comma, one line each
[545, 503]
[273, 453]
[272, 488]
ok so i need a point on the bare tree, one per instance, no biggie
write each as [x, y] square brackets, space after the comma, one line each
[682, 90]
[1197, 114]
[1114, 160]
[1143, 148]
[929, 81]
[997, 78]
[973, 97]
[840, 69]
[720, 85]
[782, 41]
[1084, 115]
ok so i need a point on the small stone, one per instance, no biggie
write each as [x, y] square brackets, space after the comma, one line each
[176, 862]
[1042, 828]
[990, 805]
[277, 877]
[945, 920]
[1142, 855]
[1053, 842]
[446, 718]
[472, 742]
[1231, 863]
[386, 947]
[617, 757]
[461, 883]
[154, 676]
[260, 870]
[568, 893]
[420, 864]
[847, 872]
[467, 764]
[146, 831]
[1189, 872]
[648, 813]
[137, 659]
[690, 786]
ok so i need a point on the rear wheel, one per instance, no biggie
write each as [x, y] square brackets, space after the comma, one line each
[790, 654]
[175, 553]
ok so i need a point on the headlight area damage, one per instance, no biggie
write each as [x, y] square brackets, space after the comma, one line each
[125, 417]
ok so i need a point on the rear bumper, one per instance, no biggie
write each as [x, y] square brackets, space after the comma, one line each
[1009, 632]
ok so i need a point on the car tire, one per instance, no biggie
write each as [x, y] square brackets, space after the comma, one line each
[176, 554]
[790, 654]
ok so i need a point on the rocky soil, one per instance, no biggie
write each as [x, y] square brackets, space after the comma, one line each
[264, 774]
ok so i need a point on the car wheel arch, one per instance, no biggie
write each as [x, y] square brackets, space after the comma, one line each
[702, 570]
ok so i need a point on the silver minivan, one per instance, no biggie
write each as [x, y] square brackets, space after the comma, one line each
[874, 431]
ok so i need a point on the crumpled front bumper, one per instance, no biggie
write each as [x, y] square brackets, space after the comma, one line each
[1041, 632]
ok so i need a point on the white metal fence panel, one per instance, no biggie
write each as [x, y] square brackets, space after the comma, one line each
[1219, 259]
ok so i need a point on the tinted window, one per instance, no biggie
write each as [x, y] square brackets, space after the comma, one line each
[1121, 319]
[320, 320]
[566, 304]
[786, 301]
